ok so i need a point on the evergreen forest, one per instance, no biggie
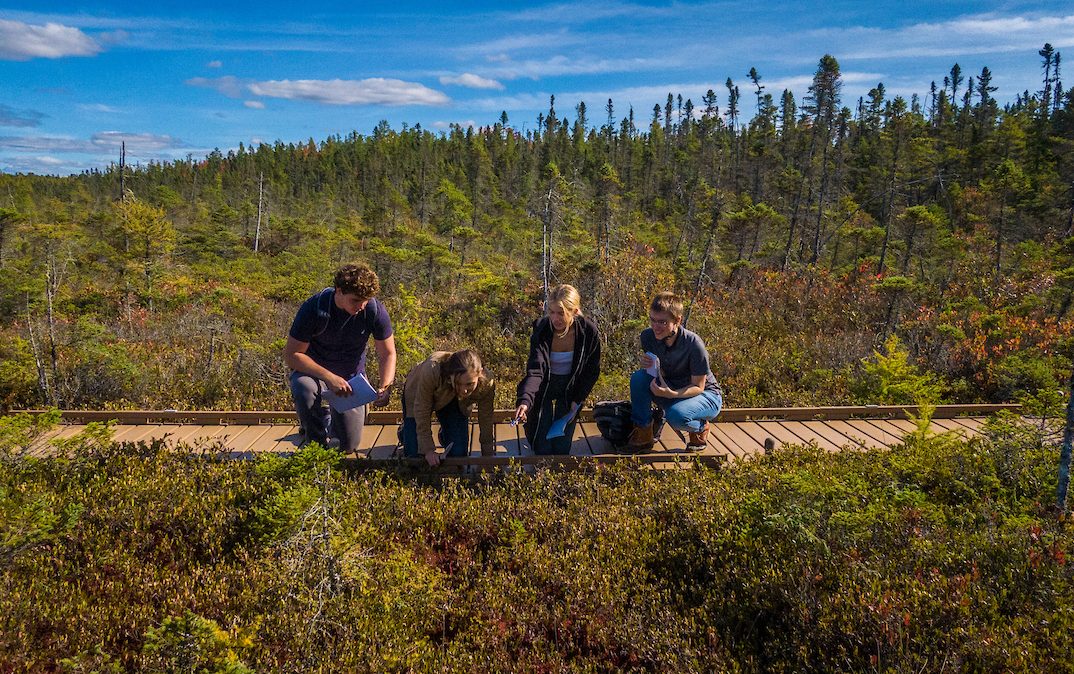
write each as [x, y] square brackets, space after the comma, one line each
[816, 239]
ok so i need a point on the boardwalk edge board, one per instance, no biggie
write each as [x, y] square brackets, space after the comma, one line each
[393, 417]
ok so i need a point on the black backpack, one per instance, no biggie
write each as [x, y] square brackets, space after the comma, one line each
[612, 418]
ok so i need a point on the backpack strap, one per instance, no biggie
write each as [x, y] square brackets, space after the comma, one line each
[324, 308]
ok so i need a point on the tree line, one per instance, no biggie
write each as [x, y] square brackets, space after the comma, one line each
[806, 232]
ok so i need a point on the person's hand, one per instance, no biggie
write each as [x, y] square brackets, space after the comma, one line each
[645, 360]
[662, 391]
[383, 395]
[433, 459]
[520, 413]
[340, 386]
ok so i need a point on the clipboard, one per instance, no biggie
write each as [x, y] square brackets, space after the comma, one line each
[362, 392]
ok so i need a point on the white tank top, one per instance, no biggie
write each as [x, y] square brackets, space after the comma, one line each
[561, 362]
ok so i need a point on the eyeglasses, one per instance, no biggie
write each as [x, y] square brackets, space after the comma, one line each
[662, 322]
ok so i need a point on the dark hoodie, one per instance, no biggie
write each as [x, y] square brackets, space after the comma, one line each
[585, 367]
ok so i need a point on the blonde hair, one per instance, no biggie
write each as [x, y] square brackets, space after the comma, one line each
[567, 297]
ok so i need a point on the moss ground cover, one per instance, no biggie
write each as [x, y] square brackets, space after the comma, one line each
[937, 555]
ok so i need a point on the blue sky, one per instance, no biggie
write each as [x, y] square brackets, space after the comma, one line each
[177, 79]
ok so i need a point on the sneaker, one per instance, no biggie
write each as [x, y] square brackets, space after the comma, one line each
[641, 439]
[698, 441]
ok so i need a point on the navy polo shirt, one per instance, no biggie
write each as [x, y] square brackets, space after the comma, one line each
[338, 343]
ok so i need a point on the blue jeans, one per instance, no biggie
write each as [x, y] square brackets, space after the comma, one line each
[684, 414]
[318, 420]
[454, 430]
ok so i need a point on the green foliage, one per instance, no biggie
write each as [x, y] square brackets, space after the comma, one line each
[190, 643]
[18, 431]
[890, 378]
[153, 560]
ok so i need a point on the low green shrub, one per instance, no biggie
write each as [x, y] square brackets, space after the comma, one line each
[938, 554]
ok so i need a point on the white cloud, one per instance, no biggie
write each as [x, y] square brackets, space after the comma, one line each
[23, 41]
[372, 91]
[14, 117]
[254, 105]
[98, 107]
[40, 165]
[214, 64]
[561, 65]
[968, 35]
[136, 142]
[447, 125]
[103, 142]
[229, 85]
[375, 90]
[472, 81]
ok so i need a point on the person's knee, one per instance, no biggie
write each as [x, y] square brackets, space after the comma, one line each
[640, 378]
[675, 417]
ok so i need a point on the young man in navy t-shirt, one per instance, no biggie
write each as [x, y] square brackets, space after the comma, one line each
[326, 347]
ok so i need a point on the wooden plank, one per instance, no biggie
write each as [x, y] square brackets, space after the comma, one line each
[387, 417]
[857, 435]
[385, 444]
[720, 433]
[974, 424]
[271, 438]
[838, 439]
[762, 430]
[877, 431]
[287, 439]
[42, 446]
[955, 427]
[508, 440]
[597, 444]
[238, 444]
[896, 428]
[188, 433]
[670, 441]
[808, 435]
[718, 443]
[580, 445]
[744, 440]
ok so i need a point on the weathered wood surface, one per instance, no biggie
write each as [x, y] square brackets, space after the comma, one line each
[738, 434]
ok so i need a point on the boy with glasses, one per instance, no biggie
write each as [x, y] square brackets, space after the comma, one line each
[683, 387]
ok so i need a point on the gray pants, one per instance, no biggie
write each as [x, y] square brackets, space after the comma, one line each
[318, 420]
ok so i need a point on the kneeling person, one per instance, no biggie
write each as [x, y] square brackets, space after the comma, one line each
[447, 385]
[326, 348]
[686, 389]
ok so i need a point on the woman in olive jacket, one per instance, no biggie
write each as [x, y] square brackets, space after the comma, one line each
[562, 368]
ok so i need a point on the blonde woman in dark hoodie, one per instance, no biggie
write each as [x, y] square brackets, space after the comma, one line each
[447, 385]
[563, 367]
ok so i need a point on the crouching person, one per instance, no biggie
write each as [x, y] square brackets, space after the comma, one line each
[683, 385]
[447, 385]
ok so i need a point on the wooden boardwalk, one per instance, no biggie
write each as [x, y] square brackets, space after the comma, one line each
[738, 433]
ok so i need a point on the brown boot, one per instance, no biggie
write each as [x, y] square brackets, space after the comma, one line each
[641, 439]
[699, 440]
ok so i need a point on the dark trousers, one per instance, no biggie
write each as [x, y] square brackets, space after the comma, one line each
[454, 430]
[318, 420]
[554, 405]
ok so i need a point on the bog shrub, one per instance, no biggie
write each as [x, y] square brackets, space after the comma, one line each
[934, 554]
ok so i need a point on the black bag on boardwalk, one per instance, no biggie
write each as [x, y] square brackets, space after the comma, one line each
[612, 418]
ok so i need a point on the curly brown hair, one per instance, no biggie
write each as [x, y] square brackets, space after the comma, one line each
[357, 279]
